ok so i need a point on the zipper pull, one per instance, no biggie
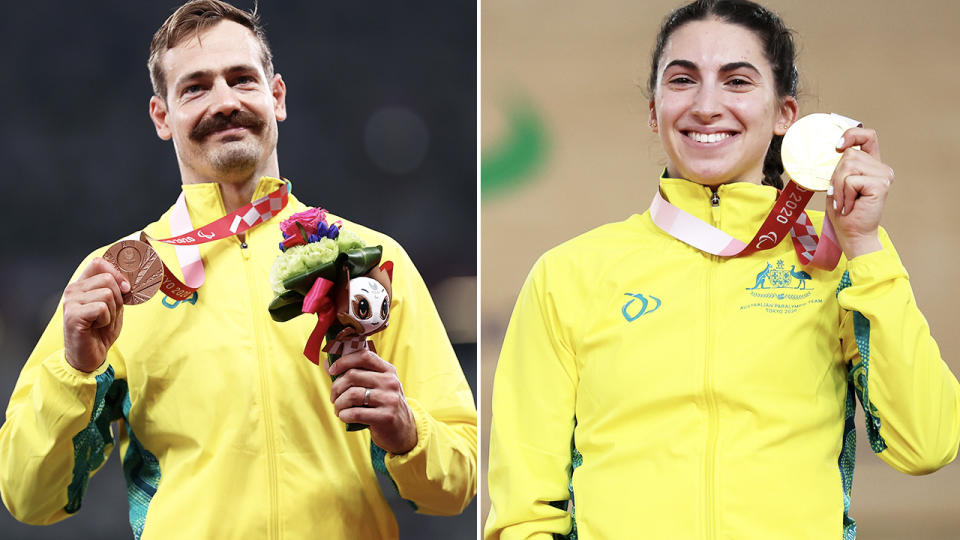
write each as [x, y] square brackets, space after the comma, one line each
[715, 200]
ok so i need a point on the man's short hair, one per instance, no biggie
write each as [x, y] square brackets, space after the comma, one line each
[190, 20]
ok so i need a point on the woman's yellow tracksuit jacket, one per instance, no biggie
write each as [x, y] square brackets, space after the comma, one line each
[225, 429]
[673, 394]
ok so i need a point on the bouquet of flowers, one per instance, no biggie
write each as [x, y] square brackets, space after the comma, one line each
[327, 270]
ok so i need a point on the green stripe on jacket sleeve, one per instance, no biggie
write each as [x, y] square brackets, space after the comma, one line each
[92, 445]
[860, 373]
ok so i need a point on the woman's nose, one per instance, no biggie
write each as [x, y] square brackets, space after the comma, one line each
[706, 105]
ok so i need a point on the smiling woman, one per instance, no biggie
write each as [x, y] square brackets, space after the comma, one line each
[715, 112]
[648, 389]
[746, 67]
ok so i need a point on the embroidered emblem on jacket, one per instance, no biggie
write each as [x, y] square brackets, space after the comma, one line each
[640, 309]
[778, 277]
[169, 303]
[784, 290]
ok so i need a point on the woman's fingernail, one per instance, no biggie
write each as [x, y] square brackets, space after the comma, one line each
[830, 191]
[834, 205]
[125, 287]
[840, 143]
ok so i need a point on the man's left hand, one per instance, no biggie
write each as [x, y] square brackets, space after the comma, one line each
[368, 391]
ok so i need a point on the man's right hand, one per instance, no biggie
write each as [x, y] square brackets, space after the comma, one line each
[93, 314]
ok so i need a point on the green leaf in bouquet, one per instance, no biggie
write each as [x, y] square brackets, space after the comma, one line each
[359, 261]
[302, 282]
[286, 306]
[303, 232]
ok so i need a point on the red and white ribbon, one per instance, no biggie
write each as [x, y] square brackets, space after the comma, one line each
[186, 238]
[235, 222]
[783, 220]
[823, 252]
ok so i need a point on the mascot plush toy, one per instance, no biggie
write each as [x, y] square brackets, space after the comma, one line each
[363, 308]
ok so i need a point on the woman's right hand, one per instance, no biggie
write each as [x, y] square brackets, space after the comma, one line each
[93, 314]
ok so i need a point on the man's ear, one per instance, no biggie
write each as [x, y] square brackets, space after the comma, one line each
[158, 114]
[279, 90]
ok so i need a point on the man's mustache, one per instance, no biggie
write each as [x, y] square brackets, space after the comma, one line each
[217, 122]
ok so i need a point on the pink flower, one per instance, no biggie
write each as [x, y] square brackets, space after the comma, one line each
[308, 219]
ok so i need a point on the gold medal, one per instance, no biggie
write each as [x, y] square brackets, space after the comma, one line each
[809, 151]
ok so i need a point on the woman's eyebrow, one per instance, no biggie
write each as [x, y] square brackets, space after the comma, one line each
[686, 64]
[733, 66]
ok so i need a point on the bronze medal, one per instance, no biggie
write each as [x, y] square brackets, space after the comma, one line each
[139, 263]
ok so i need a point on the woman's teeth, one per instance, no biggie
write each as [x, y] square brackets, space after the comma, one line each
[708, 138]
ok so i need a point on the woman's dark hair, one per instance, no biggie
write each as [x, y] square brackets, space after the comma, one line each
[777, 44]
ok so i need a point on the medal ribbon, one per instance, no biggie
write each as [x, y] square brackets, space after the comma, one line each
[186, 238]
[786, 217]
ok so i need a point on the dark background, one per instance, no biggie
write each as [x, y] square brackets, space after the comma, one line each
[381, 130]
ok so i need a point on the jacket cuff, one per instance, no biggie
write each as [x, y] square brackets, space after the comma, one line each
[876, 267]
[395, 462]
[62, 371]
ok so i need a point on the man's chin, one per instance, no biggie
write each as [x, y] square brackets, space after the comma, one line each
[235, 156]
[236, 162]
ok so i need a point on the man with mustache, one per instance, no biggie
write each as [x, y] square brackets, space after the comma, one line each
[225, 430]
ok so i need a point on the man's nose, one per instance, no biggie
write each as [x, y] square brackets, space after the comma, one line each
[225, 100]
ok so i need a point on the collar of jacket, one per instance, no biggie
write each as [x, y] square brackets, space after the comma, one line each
[205, 201]
[742, 208]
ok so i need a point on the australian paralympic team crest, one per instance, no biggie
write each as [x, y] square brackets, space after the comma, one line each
[781, 290]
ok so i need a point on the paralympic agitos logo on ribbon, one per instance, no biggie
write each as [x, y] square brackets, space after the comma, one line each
[639, 305]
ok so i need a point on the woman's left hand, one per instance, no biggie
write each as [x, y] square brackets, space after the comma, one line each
[858, 190]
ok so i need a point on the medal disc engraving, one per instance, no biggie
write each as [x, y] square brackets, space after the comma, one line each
[809, 151]
[139, 263]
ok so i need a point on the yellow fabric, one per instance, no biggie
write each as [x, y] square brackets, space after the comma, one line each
[719, 412]
[241, 423]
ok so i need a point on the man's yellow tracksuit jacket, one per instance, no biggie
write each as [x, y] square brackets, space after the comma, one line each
[225, 429]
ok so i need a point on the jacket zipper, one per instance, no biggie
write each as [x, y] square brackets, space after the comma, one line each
[273, 530]
[710, 453]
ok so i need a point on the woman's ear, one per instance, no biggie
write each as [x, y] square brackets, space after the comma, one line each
[653, 118]
[789, 111]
